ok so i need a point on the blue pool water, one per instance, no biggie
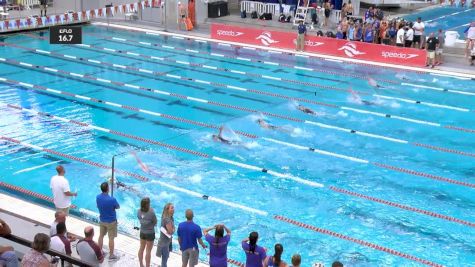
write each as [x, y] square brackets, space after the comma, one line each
[447, 18]
[242, 198]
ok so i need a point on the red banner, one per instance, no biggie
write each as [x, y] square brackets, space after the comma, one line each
[321, 45]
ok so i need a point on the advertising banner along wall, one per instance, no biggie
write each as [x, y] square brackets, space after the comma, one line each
[321, 45]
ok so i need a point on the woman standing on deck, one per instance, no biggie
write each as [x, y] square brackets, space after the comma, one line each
[148, 220]
[167, 228]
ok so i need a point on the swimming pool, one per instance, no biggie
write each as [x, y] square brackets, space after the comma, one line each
[389, 183]
[447, 18]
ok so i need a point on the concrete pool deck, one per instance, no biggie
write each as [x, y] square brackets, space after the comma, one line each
[27, 219]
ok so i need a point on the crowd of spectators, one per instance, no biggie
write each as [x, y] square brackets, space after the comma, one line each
[188, 233]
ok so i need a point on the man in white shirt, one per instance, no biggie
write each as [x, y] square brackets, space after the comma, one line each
[400, 37]
[61, 192]
[409, 36]
[418, 33]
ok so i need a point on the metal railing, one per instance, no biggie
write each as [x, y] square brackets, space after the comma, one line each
[62, 257]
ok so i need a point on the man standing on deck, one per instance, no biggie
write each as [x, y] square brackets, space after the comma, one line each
[61, 193]
[108, 218]
[302, 30]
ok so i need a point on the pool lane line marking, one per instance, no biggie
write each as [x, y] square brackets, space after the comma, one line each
[263, 213]
[177, 148]
[129, 41]
[259, 92]
[36, 167]
[255, 168]
[318, 124]
[439, 89]
[137, 176]
[235, 71]
[406, 100]
[448, 15]
[355, 240]
[150, 58]
[401, 206]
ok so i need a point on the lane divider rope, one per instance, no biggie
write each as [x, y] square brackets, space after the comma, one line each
[177, 148]
[276, 217]
[174, 48]
[29, 193]
[228, 106]
[254, 91]
[297, 179]
[137, 176]
[357, 241]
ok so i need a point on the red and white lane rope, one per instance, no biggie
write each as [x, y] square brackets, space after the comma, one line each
[192, 53]
[234, 205]
[29, 193]
[147, 170]
[137, 176]
[253, 91]
[247, 166]
[228, 106]
[401, 206]
[177, 148]
[355, 240]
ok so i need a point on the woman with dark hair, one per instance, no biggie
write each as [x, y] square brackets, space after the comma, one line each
[276, 260]
[218, 245]
[148, 220]
[35, 257]
[255, 255]
[167, 229]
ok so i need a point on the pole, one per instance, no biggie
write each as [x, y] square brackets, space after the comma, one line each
[112, 178]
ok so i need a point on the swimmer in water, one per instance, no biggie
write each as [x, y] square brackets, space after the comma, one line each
[356, 98]
[266, 125]
[373, 83]
[307, 110]
[219, 138]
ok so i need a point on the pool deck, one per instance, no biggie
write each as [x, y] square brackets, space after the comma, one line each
[27, 219]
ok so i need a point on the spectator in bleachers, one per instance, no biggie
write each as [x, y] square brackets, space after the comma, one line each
[8, 257]
[339, 33]
[35, 257]
[108, 218]
[337, 264]
[327, 7]
[276, 259]
[408, 36]
[384, 33]
[358, 31]
[296, 260]
[43, 7]
[369, 13]
[392, 31]
[167, 228]
[218, 245]
[59, 216]
[255, 255]
[349, 9]
[60, 242]
[400, 36]
[61, 192]
[344, 27]
[148, 220]
[368, 33]
[189, 235]
[88, 250]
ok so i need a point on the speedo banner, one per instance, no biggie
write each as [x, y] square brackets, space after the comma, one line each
[321, 45]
